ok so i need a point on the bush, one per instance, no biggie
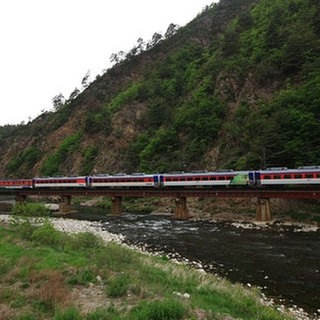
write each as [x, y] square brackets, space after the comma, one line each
[26, 217]
[27, 158]
[86, 240]
[88, 161]
[118, 286]
[104, 314]
[69, 314]
[30, 210]
[82, 277]
[46, 234]
[27, 317]
[159, 310]
[69, 145]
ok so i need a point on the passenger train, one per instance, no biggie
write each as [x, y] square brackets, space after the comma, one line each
[271, 177]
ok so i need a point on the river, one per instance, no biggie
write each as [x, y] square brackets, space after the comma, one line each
[284, 261]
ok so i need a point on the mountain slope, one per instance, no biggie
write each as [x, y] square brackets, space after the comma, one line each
[238, 87]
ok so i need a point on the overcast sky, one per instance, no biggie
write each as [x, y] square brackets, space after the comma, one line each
[47, 46]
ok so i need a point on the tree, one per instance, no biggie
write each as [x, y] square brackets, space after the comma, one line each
[74, 94]
[86, 80]
[141, 45]
[58, 101]
[114, 58]
[117, 57]
[156, 38]
[172, 29]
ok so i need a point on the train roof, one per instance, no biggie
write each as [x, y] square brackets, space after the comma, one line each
[60, 177]
[206, 173]
[299, 170]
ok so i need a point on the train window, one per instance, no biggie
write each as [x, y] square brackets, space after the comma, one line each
[213, 178]
[318, 175]
[276, 177]
[310, 176]
[205, 178]
[266, 177]
[197, 178]
[298, 176]
[287, 176]
[221, 178]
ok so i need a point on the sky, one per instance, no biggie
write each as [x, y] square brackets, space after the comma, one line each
[48, 46]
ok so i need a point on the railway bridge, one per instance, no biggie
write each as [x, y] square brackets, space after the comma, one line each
[263, 196]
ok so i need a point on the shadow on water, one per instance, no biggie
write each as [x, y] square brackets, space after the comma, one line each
[283, 263]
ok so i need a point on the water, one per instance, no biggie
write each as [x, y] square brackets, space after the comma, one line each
[285, 264]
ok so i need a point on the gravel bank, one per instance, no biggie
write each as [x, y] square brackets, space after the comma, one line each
[76, 226]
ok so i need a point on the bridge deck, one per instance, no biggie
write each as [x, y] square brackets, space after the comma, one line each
[173, 192]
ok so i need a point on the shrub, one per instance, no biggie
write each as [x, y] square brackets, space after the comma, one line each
[30, 210]
[159, 310]
[51, 165]
[85, 240]
[27, 317]
[104, 314]
[88, 161]
[82, 277]
[28, 158]
[52, 291]
[69, 314]
[118, 286]
[46, 234]
[26, 217]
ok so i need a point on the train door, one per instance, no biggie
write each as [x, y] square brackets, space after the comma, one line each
[158, 180]
[254, 178]
[257, 178]
[251, 178]
[89, 182]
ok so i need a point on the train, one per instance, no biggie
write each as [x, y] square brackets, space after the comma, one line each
[270, 177]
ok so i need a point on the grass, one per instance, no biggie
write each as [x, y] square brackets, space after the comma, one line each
[67, 277]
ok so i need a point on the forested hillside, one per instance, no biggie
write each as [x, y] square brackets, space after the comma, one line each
[238, 87]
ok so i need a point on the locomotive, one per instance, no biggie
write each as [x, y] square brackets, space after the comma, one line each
[270, 177]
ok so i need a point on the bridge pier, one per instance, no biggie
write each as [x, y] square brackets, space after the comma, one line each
[263, 212]
[65, 204]
[181, 210]
[21, 198]
[116, 208]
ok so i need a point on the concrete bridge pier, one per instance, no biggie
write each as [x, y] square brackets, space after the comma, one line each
[65, 204]
[116, 208]
[181, 210]
[263, 212]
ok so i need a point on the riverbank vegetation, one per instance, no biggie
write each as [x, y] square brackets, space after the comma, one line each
[48, 274]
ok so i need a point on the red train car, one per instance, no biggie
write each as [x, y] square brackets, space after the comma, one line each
[16, 183]
[60, 182]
